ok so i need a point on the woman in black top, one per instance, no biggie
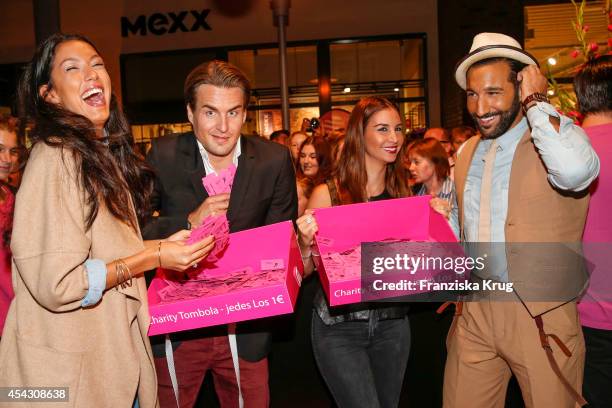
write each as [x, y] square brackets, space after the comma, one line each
[361, 350]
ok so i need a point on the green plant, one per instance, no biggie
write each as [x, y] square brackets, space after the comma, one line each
[565, 101]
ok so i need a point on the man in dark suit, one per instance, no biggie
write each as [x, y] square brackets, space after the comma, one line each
[263, 192]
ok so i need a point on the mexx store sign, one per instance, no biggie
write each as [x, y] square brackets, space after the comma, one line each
[165, 23]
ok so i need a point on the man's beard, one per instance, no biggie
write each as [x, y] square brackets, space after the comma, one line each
[505, 121]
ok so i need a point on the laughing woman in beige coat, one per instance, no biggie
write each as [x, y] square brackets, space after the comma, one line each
[79, 318]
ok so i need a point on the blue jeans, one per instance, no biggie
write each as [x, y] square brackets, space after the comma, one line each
[362, 362]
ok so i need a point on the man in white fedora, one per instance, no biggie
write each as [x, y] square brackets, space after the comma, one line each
[524, 179]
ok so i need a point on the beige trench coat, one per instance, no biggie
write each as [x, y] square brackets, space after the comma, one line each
[102, 354]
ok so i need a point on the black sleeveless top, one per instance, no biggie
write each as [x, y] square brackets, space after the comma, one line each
[356, 311]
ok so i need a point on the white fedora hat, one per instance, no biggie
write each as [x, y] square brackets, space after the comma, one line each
[491, 45]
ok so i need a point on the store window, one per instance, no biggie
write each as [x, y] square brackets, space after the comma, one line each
[262, 66]
[390, 68]
[375, 61]
[393, 67]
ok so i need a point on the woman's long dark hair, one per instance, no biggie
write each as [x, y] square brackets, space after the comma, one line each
[108, 167]
[350, 174]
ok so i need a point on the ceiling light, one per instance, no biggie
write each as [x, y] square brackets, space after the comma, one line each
[347, 90]
[315, 81]
[552, 61]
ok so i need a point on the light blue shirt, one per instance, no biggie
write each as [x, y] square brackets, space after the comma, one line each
[568, 156]
[96, 280]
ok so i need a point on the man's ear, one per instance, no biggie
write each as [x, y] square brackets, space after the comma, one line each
[244, 115]
[48, 95]
[189, 114]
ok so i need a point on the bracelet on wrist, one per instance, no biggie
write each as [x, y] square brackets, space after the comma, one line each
[126, 274]
[533, 99]
[304, 254]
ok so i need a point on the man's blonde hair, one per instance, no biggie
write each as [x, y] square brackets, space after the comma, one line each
[217, 73]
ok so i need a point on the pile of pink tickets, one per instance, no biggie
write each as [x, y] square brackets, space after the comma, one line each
[220, 183]
[342, 229]
[343, 265]
[217, 226]
[202, 285]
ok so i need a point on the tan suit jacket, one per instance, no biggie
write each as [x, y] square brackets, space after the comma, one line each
[102, 354]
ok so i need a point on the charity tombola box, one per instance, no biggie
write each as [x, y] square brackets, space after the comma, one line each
[258, 275]
[342, 230]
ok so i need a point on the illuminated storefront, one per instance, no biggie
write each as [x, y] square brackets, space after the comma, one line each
[388, 66]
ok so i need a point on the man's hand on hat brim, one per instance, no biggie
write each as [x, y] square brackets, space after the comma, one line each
[531, 81]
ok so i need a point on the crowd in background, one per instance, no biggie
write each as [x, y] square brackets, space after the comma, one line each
[428, 155]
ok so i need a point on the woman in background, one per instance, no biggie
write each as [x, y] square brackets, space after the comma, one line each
[362, 349]
[428, 165]
[314, 167]
[79, 318]
[9, 163]
[295, 143]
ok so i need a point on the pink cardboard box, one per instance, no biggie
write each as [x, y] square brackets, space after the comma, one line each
[344, 227]
[252, 253]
